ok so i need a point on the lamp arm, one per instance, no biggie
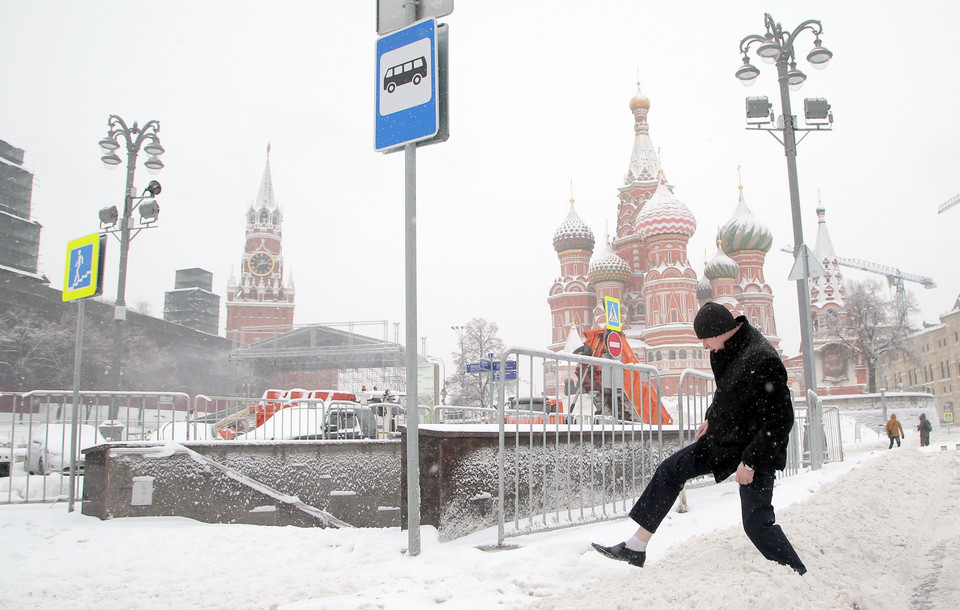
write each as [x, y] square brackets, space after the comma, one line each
[748, 40]
[810, 24]
[149, 130]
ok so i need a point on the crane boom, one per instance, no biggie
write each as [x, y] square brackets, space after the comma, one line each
[891, 272]
[949, 203]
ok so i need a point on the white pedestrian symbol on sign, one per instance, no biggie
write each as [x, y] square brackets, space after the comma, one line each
[612, 306]
[82, 267]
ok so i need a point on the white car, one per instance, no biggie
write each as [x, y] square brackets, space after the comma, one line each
[6, 457]
[49, 448]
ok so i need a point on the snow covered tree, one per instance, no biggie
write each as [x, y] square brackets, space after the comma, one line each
[476, 340]
[872, 324]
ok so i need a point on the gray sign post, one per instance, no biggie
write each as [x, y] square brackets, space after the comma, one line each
[393, 15]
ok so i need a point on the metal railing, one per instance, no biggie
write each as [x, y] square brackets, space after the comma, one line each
[39, 428]
[694, 395]
[582, 458]
[832, 438]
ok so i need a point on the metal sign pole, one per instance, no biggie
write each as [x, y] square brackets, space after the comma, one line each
[413, 436]
[75, 412]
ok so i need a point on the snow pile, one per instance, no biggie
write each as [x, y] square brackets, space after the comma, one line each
[879, 530]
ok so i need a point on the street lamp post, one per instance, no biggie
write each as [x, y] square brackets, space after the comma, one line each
[459, 329]
[135, 138]
[777, 46]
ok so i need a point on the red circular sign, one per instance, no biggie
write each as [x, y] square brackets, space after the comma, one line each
[614, 345]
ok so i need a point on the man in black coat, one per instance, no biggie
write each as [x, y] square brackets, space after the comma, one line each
[745, 431]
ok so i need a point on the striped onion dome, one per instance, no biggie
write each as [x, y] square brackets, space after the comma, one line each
[721, 266]
[704, 289]
[573, 234]
[664, 214]
[608, 267]
[744, 231]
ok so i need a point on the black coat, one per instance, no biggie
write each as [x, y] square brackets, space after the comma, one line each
[751, 414]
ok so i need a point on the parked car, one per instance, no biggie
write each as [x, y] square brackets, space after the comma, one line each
[49, 447]
[6, 457]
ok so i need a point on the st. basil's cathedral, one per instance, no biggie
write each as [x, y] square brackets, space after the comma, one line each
[646, 267]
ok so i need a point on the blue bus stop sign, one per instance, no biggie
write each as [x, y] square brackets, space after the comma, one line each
[406, 90]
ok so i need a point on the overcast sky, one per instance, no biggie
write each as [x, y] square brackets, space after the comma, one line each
[539, 94]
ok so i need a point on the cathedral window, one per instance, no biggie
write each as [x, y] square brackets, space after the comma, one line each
[264, 217]
[673, 355]
[683, 354]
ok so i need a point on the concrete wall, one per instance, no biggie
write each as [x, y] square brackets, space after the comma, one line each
[355, 481]
[893, 401]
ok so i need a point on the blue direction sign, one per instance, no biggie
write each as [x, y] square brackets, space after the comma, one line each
[83, 276]
[406, 100]
[478, 367]
[485, 366]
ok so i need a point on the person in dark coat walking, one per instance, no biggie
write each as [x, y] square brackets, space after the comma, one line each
[745, 431]
[925, 427]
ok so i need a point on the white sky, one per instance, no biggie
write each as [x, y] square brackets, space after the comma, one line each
[879, 530]
[538, 97]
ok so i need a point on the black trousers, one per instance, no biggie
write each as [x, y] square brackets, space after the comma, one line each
[759, 521]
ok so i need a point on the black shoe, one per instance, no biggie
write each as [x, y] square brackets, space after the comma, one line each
[620, 552]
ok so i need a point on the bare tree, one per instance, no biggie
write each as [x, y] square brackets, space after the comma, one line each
[476, 340]
[37, 352]
[872, 324]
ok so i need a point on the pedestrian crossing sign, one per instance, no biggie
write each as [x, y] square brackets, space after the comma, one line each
[612, 307]
[84, 273]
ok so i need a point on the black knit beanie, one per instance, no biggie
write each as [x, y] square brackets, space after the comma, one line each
[713, 320]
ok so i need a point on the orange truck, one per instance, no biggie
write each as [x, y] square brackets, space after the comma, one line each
[272, 401]
[641, 395]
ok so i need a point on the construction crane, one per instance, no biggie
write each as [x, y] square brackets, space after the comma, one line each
[949, 203]
[895, 277]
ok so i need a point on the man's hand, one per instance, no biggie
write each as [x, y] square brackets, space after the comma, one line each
[702, 429]
[744, 476]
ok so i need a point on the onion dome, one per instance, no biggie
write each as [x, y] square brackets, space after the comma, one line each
[704, 289]
[664, 214]
[608, 267]
[573, 234]
[721, 266]
[639, 100]
[744, 231]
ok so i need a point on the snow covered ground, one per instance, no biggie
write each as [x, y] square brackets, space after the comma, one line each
[879, 530]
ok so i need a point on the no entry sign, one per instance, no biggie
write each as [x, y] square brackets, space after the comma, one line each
[615, 344]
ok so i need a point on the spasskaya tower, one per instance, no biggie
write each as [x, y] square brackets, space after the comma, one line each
[259, 305]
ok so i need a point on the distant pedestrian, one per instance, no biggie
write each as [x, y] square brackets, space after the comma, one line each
[894, 430]
[925, 428]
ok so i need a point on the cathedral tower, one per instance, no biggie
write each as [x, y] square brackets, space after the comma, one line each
[571, 303]
[746, 240]
[259, 305]
[670, 288]
[639, 184]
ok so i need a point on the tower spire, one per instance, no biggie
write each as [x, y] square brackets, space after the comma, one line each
[265, 197]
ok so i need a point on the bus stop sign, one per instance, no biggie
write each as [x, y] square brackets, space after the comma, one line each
[407, 109]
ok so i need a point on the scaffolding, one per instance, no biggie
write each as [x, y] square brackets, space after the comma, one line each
[359, 360]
